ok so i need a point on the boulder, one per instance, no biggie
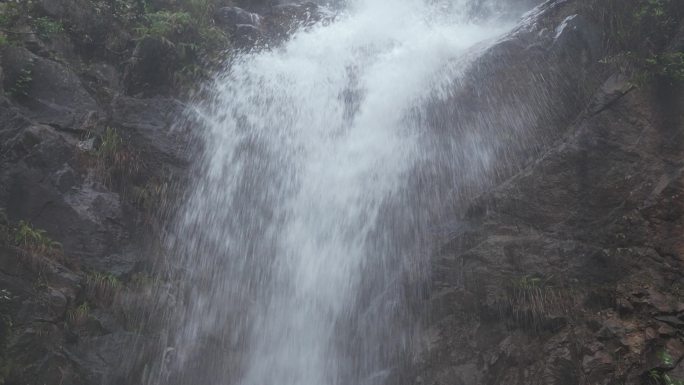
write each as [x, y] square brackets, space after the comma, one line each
[282, 19]
[232, 17]
[247, 36]
[156, 126]
[151, 67]
[577, 37]
[48, 92]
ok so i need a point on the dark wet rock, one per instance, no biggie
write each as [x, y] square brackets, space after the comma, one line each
[590, 214]
[80, 12]
[90, 27]
[155, 125]
[282, 19]
[597, 366]
[576, 34]
[150, 69]
[246, 35]
[233, 17]
[60, 96]
[105, 79]
[47, 91]
[44, 188]
[250, 29]
[613, 89]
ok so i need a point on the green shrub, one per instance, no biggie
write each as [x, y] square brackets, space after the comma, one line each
[46, 27]
[10, 13]
[637, 34]
[79, 315]
[166, 24]
[115, 162]
[530, 301]
[103, 286]
[669, 65]
[189, 27]
[35, 240]
[22, 85]
[660, 376]
[110, 145]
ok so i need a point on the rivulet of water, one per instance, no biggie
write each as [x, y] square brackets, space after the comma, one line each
[298, 228]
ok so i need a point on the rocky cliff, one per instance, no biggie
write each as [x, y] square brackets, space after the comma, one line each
[565, 268]
[93, 152]
[569, 270]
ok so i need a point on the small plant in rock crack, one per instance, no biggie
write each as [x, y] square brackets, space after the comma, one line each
[530, 300]
[103, 286]
[152, 196]
[46, 27]
[22, 85]
[9, 14]
[660, 376]
[40, 284]
[164, 24]
[5, 295]
[35, 240]
[110, 144]
[79, 315]
[666, 358]
[669, 65]
[115, 162]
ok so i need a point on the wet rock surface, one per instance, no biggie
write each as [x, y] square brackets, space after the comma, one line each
[570, 270]
[80, 159]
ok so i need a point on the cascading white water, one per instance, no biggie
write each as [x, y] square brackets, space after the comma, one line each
[285, 233]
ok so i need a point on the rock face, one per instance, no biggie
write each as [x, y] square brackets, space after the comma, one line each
[93, 143]
[270, 27]
[83, 165]
[569, 270]
[49, 93]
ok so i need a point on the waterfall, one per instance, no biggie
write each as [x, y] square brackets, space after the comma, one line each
[299, 233]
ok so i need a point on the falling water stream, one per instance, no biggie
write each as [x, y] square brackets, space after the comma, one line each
[298, 229]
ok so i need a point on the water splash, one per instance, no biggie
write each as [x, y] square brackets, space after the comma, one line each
[298, 230]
